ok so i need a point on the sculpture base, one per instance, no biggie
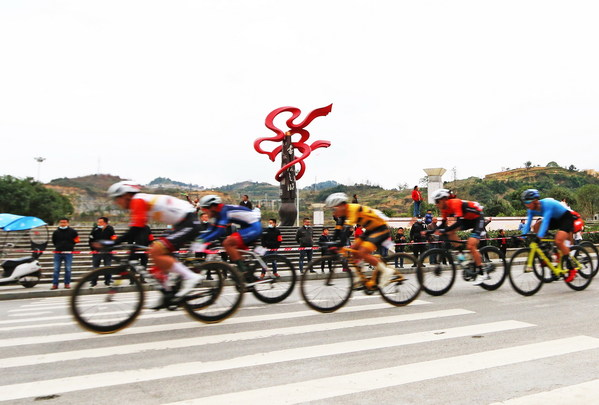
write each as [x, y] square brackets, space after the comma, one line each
[287, 213]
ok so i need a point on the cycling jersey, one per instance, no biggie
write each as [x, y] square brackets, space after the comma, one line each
[247, 220]
[555, 216]
[469, 215]
[165, 209]
[375, 227]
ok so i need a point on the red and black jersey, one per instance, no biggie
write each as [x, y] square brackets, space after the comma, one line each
[462, 209]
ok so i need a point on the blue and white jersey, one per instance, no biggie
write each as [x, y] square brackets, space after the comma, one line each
[231, 214]
[550, 209]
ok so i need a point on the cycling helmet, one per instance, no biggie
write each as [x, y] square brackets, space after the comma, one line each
[123, 187]
[209, 199]
[441, 193]
[530, 194]
[336, 199]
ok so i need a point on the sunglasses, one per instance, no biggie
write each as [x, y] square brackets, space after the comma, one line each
[526, 202]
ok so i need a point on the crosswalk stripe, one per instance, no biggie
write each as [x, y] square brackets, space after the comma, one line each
[329, 387]
[228, 337]
[20, 341]
[578, 394]
[70, 384]
[150, 313]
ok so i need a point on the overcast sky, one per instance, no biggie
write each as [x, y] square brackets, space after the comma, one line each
[180, 89]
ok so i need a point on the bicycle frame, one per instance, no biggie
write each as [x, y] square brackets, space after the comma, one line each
[558, 270]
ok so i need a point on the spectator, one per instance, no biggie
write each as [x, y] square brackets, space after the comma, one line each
[64, 239]
[417, 198]
[245, 202]
[428, 217]
[143, 238]
[417, 238]
[271, 239]
[322, 240]
[194, 202]
[304, 237]
[355, 199]
[502, 242]
[102, 231]
[521, 225]
[400, 240]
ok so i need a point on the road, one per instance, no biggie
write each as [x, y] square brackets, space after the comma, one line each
[467, 347]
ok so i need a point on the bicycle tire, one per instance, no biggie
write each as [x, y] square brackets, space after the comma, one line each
[226, 297]
[439, 274]
[594, 252]
[326, 292]
[525, 281]
[275, 289]
[584, 275]
[107, 309]
[499, 272]
[402, 292]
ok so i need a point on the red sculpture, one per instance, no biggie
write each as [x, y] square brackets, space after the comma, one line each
[286, 176]
[301, 145]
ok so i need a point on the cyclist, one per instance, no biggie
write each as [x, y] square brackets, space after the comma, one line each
[554, 216]
[376, 232]
[165, 209]
[468, 215]
[247, 220]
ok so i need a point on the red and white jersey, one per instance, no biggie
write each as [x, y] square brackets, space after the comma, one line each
[164, 209]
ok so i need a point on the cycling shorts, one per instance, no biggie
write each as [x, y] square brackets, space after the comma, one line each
[184, 231]
[373, 238]
[477, 225]
[248, 234]
[564, 223]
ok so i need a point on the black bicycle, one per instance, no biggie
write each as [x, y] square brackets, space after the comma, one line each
[440, 266]
[114, 307]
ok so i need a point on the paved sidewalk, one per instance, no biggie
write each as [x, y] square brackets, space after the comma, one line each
[17, 291]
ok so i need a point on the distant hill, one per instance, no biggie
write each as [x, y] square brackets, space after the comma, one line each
[498, 192]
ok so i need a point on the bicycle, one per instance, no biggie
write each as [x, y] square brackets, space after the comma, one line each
[594, 252]
[528, 265]
[112, 308]
[330, 290]
[440, 274]
[271, 278]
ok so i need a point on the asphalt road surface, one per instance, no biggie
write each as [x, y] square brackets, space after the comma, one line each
[468, 347]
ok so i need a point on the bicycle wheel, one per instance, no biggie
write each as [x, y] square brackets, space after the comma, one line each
[328, 291]
[217, 299]
[497, 267]
[107, 309]
[526, 281]
[402, 292]
[583, 261]
[438, 271]
[594, 252]
[273, 289]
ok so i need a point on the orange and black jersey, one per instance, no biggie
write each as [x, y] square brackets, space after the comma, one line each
[462, 209]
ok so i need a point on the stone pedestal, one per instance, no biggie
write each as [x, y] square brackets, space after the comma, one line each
[435, 181]
[318, 214]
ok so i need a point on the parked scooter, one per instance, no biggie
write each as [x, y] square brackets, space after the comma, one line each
[25, 270]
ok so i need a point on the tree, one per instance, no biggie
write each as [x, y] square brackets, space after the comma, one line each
[552, 164]
[588, 200]
[31, 198]
[572, 168]
[528, 164]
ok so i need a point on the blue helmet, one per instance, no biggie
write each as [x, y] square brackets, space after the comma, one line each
[530, 194]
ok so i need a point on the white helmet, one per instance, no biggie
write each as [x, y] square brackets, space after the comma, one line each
[123, 187]
[209, 199]
[441, 193]
[335, 199]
